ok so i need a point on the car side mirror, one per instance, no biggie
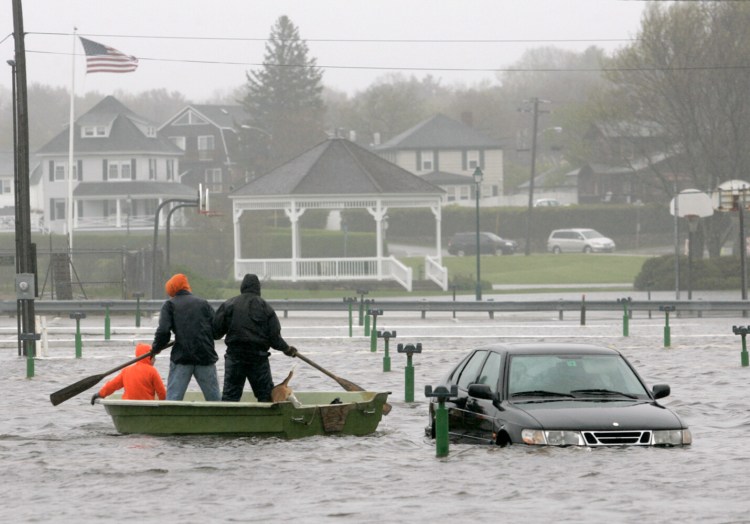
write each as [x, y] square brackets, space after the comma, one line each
[480, 391]
[661, 390]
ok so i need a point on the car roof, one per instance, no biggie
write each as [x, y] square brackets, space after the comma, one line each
[547, 348]
[574, 229]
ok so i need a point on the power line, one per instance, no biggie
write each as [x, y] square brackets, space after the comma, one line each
[350, 40]
[420, 68]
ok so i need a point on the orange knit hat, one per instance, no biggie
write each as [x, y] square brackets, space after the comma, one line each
[177, 283]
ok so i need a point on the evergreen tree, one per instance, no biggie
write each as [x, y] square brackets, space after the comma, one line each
[284, 102]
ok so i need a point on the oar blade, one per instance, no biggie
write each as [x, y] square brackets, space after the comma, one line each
[72, 390]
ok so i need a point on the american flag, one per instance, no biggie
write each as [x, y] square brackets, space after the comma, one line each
[104, 59]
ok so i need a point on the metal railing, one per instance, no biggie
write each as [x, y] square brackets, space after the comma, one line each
[65, 307]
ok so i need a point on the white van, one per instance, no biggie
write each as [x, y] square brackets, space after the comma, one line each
[579, 241]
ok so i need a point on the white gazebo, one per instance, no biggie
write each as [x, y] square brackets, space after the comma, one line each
[337, 174]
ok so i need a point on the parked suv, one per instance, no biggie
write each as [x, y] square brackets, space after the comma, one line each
[579, 241]
[466, 244]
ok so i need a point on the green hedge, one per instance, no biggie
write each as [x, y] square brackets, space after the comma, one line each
[707, 274]
[619, 222]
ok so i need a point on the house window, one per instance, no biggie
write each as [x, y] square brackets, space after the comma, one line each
[59, 171]
[465, 193]
[472, 158]
[92, 131]
[57, 208]
[5, 185]
[170, 169]
[205, 147]
[152, 169]
[428, 161]
[213, 179]
[119, 170]
[179, 141]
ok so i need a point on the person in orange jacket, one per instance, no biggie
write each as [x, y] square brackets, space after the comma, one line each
[141, 380]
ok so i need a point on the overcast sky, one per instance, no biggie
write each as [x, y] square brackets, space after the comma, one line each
[213, 43]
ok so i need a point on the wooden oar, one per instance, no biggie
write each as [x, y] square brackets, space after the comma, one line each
[349, 386]
[82, 385]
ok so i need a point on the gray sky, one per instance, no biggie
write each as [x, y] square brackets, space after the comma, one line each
[231, 34]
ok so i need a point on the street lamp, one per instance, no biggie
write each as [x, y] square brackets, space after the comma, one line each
[478, 175]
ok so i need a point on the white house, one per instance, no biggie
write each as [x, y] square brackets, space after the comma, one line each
[122, 170]
[446, 152]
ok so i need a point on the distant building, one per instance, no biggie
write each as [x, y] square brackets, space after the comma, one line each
[446, 152]
[207, 134]
[123, 168]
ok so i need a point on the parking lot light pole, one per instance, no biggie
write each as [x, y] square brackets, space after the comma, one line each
[478, 175]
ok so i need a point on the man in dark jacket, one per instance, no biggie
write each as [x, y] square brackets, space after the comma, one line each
[190, 318]
[251, 328]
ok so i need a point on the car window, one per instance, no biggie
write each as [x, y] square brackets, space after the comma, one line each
[490, 374]
[566, 373]
[590, 234]
[471, 370]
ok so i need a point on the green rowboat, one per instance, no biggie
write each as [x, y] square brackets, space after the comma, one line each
[358, 413]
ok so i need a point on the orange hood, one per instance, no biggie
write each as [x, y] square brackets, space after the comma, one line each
[177, 283]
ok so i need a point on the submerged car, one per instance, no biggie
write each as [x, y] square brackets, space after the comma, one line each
[556, 395]
[579, 241]
[466, 244]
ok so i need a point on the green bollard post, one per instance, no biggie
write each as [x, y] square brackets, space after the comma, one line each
[441, 428]
[350, 301]
[362, 293]
[743, 331]
[138, 295]
[583, 310]
[79, 346]
[367, 325]
[386, 336]
[373, 332]
[625, 316]
[31, 353]
[409, 349]
[106, 323]
[667, 331]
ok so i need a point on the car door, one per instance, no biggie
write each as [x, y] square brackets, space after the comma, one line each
[481, 414]
[457, 408]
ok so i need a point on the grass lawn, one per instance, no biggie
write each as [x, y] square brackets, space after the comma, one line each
[538, 269]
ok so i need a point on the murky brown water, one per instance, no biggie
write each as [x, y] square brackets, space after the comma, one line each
[67, 464]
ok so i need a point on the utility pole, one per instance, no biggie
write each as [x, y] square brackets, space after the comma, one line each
[26, 265]
[535, 110]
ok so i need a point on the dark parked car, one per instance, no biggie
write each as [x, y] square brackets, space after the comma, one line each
[557, 395]
[489, 243]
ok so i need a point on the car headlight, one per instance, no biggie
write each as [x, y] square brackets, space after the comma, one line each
[540, 437]
[672, 437]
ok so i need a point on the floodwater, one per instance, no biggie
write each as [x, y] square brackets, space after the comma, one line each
[67, 463]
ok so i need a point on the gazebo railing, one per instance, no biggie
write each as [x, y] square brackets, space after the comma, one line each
[324, 269]
[436, 272]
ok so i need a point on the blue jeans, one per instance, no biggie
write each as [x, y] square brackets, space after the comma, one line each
[180, 375]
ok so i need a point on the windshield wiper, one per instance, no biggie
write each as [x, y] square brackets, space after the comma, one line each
[604, 392]
[541, 393]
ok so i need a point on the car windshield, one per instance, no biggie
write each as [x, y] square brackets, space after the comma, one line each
[591, 234]
[581, 376]
[493, 236]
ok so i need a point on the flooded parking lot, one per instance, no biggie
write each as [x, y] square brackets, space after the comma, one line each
[67, 463]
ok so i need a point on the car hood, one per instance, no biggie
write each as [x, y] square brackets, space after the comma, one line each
[597, 415]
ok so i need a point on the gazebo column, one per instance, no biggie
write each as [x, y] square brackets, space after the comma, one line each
[293, 214]
[378, 214]
[236, 214]
[436, 211]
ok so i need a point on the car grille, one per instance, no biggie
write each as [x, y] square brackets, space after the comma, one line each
[618, 438]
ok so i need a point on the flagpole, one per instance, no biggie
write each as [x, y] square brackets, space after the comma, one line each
[69, 214]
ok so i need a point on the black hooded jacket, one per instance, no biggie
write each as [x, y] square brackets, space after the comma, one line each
[190, 319]
[249, 323]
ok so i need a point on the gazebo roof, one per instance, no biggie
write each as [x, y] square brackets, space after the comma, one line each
[337, 167]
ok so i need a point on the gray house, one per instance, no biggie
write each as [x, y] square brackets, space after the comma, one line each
[447, 152]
